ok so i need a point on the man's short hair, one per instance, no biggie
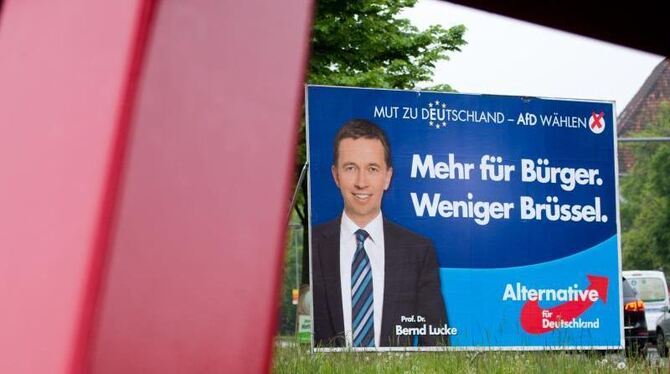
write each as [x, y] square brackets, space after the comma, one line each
[361, 128]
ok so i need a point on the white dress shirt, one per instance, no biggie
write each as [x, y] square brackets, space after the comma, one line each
[374, 247]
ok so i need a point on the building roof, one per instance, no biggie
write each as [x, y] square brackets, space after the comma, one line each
[640, 111]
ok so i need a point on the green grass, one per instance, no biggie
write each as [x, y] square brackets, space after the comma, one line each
[299, 359]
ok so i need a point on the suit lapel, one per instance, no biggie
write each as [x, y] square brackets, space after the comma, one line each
[331, 258]
[390, 263]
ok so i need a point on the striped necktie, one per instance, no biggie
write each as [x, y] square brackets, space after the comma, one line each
[362, 314]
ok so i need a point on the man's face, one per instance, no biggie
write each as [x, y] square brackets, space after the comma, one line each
[362, 175]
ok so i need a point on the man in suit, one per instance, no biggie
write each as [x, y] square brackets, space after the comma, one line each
[375, 283]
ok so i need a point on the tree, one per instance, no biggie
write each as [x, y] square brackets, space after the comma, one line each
[365, 43]
[645, 206]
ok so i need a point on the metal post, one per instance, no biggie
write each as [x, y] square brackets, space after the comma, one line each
[297, 188]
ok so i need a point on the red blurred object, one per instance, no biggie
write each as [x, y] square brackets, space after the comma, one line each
[145, 170]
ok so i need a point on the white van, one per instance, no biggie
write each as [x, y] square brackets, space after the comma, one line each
[652, 288]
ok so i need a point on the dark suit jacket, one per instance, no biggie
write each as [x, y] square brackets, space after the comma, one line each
[411, 285]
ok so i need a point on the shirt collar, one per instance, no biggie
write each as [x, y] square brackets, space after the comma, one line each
[375, 228]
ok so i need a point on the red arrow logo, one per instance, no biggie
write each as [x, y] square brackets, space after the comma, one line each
[533, 316]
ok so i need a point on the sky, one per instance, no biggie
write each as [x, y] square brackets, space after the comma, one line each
[510, 57]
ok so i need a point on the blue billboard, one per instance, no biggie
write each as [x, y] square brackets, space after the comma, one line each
[504, 207]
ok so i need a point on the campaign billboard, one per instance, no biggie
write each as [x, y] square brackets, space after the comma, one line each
[473, 222]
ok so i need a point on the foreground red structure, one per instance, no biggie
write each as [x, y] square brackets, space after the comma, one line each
[145, 169]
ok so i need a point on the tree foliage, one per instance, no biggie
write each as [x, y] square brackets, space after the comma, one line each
[287, 322]
[645, 206]
[365, 43]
